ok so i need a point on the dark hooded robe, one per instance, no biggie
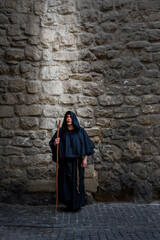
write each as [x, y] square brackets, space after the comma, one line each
[74, 145]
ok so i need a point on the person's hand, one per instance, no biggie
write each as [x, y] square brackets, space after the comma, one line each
[84, 162]
[56, 141]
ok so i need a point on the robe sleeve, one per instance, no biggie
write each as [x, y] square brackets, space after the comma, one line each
[89, 146]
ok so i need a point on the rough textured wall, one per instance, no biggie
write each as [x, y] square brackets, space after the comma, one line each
[99, 58]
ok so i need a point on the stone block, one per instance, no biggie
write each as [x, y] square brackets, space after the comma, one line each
[48, 99]
[47, 55]
[16, 173]
[103, 122]
[33, 53]
[83, 101]
[42, 134]
[93, 89]
[105, 100]
[86, 55]
[31, 99]
[126, 112]
[4, 69]
[1, 50]
[50, 19]
[99, 52]
[96, 140]
[132, 68]
[87, 123]
[108, 132]
[109, 27]
[14, 69]
[68, 99]
[14, 19]
[66, 8]
[16, 85]
[99, 112]
[83, 4]
[38, 143]
[53, 88]
[3, 19]
[66, 39]
[51, 111]
[21, 133]
[95, 131]
[138, 44]
[42, 159]
[21, 141]
[133, 100]
[11, 123]
[85, 112]
[128, 179]
[111, 153]
[80, 67]
[14, 30]
[152, 73]
[4, 41]
[90, 172]
[89, 15]
[48, 36]
[156, 131]
[6, 133]
[25, 7]
[106, 5]
[142, 192]
[156, 57]
[40, 173]
[41, 186]
[33, 87]
[153, 34]
[4, 142]
[72, 86]
[7, 111]
[11, 99]
[28, 123]
[14, 54]
[32, 29]
[155, 47]
[47, 123]
[150, 99]
[132, 151]
[40, 8]
[91, 185]
[31, 151]
[116, 63]
[54, 73]
[151, 109]
[66, 56]
[155, 178]
[12, 151]
[144, 120]
[33, 110]
[139, 169]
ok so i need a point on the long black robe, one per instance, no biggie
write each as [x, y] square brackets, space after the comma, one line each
[74, 144]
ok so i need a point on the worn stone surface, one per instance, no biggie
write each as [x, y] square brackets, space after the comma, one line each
[100, 59]
[28, 123]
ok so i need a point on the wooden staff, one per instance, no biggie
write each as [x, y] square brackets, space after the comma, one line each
[57, 169]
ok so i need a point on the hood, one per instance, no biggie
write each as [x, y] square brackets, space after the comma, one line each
[75, 121]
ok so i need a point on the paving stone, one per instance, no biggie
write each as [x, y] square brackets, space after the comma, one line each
[103, 221]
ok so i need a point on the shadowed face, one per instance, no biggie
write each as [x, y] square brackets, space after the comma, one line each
[69, 120]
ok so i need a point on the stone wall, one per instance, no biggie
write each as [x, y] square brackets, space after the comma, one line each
[99, 58]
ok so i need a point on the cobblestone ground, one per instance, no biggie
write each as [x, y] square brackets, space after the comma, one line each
[111, 221]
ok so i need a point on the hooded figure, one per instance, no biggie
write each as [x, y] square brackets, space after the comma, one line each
[74, 147]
